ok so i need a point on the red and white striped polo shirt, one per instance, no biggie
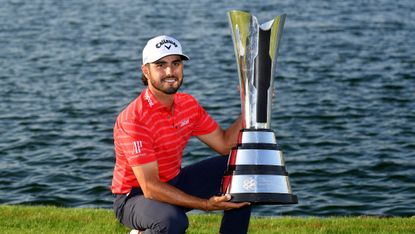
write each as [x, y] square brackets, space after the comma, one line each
[147, 131]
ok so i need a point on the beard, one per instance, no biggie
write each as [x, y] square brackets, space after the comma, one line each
[166, 87]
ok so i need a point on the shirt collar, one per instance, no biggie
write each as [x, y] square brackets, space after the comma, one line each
[152, 101]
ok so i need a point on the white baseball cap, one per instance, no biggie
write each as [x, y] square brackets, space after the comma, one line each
[161, 46]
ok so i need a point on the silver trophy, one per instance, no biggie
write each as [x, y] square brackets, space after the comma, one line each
[256, 170]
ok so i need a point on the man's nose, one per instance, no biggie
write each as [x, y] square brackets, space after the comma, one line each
[169, 70]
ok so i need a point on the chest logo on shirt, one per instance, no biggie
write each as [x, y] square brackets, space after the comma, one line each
[137, 146]
[184, 122]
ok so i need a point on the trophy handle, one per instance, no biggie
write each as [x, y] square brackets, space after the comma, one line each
[263, 75]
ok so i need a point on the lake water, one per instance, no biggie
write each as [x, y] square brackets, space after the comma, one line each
[344, 112]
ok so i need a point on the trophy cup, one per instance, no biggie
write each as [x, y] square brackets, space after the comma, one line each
[256, 171]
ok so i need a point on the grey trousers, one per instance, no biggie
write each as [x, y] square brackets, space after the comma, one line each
[202, 179]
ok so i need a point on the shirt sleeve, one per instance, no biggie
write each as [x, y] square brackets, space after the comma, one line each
[204, 123]
[136, 142]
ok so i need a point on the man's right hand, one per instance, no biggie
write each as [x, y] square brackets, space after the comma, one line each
[223, 203]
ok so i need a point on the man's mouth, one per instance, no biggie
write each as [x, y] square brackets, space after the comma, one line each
[169, 80]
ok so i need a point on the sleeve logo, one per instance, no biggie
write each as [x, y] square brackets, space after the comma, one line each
[137, 146]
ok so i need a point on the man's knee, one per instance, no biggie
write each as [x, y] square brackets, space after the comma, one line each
[172, 221]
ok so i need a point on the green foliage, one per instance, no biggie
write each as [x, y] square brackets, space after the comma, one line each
[46, 219]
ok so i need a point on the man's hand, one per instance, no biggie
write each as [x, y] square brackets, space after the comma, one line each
[223, 203]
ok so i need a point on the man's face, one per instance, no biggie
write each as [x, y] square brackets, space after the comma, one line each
[165, 75]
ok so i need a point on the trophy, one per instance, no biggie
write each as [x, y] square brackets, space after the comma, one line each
[256, 171]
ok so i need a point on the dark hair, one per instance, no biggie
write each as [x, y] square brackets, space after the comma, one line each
[144, 79]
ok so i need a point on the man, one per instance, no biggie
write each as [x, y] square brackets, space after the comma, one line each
[153, 193]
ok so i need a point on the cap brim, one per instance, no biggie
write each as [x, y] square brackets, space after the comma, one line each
[184, 57]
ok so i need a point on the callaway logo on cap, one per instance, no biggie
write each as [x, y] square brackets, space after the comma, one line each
[161, 46]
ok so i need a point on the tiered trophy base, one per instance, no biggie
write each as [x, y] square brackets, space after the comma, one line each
[256, 171]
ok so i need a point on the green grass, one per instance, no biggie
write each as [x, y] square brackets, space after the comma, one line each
[46, 219]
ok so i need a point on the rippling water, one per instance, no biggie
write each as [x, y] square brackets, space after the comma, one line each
[344, 111]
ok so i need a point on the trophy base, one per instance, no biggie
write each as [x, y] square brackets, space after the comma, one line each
[265, 198]
[256, 170]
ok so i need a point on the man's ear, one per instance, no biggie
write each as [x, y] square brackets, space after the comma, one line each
[145, 70]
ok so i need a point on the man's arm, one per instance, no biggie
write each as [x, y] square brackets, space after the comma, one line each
[222, 141]
[148, 178]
